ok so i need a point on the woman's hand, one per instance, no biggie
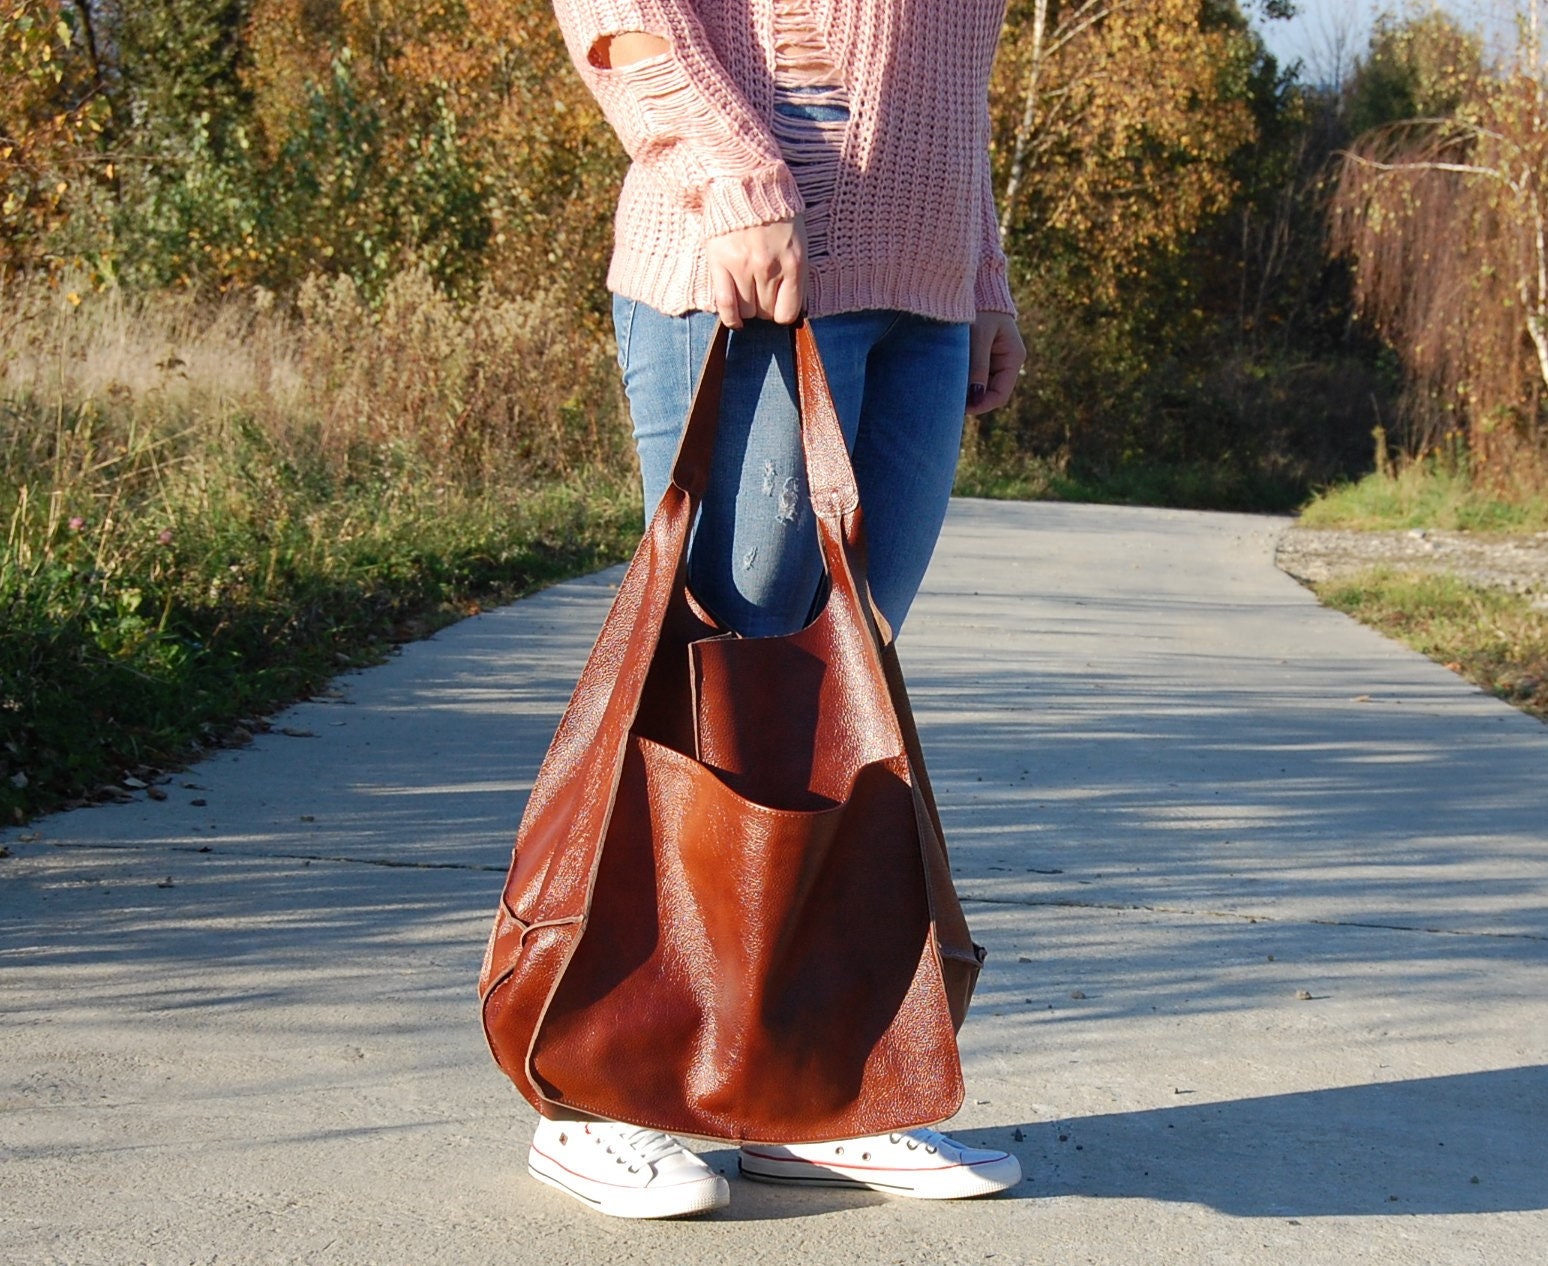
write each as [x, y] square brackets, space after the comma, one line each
[759, 273]
[995, 360]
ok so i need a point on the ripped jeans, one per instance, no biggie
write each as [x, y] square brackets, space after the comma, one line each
[899, 382]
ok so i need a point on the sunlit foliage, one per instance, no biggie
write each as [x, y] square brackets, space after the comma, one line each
[1115, 121]
[1446, 216]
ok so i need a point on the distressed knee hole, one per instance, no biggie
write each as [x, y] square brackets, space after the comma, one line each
[789, 502]
[625, 48]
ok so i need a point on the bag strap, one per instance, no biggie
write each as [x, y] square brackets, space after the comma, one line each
[696, 448]
[830, 476]
[834, 491]
[607, 697]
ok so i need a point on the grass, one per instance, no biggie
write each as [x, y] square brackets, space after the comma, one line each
[210, 510]
[998, 473]
[1190, 487]
[1497, 640]
[1428, 494]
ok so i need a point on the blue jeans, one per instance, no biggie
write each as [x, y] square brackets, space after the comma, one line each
[899, 382]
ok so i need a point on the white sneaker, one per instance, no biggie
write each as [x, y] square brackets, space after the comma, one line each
[922, 1163]
[624, 1170]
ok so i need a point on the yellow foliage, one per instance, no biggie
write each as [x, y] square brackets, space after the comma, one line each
[547, 161]
[1114, 120]
[48, 122]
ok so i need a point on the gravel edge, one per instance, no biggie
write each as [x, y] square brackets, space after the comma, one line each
[1516, 564]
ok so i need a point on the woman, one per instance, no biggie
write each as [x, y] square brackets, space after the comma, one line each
[826, 156]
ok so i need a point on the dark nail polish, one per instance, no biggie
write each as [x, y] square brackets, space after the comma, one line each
[976, 393]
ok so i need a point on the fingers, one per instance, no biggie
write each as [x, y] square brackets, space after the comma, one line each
[767, 285]
[790, 299]
[1002, 381]
[728, 296]
[995, 358]
[759, 273]
[980, 348]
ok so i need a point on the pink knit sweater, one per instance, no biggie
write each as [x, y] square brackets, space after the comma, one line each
[907, 216]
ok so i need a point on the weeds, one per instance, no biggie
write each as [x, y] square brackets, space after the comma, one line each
[1435, 492]
[994, 467]
[1497, 640]
[207, 512]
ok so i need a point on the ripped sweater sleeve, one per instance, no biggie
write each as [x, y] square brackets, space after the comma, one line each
[680, 116]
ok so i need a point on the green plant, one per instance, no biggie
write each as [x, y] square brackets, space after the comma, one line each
[1434, 492]
[1497, 640]
[209, 507]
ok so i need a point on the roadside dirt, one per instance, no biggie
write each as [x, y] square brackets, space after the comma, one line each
[1518, 564]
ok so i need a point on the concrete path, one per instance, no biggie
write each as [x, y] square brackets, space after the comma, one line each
[1266, 898]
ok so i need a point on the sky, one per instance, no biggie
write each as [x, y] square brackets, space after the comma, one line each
[1328, 34]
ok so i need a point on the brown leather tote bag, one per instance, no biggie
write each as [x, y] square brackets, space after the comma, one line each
[729, 913]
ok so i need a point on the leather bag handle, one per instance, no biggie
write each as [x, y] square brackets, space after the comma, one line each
[691, 465]
[830, 477]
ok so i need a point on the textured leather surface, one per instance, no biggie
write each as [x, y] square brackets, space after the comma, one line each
[730, 912]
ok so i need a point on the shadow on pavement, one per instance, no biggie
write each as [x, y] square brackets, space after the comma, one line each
[1471, 1143]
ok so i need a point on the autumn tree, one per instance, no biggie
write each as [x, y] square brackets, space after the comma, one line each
[1157, 171]
[1446, 220]
[1113, 173]
[1424, 66]
[52, 108]
[216, 143]
[453, 132]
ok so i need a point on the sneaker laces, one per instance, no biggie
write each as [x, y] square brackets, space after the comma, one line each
[933, 1141]
[647, 1146]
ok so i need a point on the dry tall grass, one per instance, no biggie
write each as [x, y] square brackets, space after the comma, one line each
[205, 505]
[497, 388]
[115, 408]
